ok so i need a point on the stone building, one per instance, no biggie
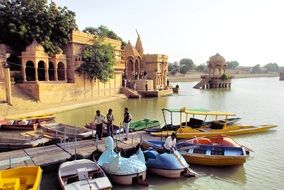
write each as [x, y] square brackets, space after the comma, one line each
[142, 69]
[216, 77]
[54, 79]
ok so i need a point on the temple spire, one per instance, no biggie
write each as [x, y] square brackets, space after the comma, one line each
[139, 46]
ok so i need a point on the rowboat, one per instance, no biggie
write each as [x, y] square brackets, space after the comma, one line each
[215, 128]
[20, 125]
[15, 143]
[192, 122]
[116, 129]
[120, 170]
[21, 178]
[37, 118]
[59, 129]
[170, 165]
[143, 124]
[82, 174]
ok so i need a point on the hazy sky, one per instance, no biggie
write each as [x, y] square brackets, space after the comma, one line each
[248, 31]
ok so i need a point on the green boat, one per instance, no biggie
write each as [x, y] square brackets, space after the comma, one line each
[143, 124]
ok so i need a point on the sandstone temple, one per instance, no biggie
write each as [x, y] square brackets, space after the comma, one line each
[54, 79]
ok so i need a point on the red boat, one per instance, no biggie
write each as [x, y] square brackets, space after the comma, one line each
[20, 125]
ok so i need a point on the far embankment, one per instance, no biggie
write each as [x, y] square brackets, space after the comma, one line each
[23, 105]
[195, 76]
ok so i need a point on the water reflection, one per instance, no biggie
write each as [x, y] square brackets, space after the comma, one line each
[256, 101]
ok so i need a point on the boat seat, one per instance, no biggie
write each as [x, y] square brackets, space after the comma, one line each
[9, 183]
[82, 173]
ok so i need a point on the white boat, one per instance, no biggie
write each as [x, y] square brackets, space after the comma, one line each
[123, 171]
[82, 174]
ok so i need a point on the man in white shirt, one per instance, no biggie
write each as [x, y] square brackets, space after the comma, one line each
[170, 143]
[99, 120]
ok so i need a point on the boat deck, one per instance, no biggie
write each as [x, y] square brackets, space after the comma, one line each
[60, 152]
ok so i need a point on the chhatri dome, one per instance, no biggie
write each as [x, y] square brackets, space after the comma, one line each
[34, 46]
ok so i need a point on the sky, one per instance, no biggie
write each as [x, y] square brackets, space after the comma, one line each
[248, 31]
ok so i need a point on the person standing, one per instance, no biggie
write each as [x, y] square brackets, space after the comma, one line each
[146, 86]
[110, 119]
[170, 143]
[126, 122]
[99, 120]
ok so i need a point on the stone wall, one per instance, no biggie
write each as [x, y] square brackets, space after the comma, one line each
[48, 92]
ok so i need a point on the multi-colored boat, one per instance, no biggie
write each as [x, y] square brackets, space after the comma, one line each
[193, 122]
[143, 124]
[215, 128]
[82, 174]
[21, 178]
[120, 170]
[212, 155]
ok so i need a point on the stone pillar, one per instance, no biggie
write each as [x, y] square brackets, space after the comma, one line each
[36, 73]
[8, 86]
[46, 71]
[55, 72]
[24, 72]
[65, 73]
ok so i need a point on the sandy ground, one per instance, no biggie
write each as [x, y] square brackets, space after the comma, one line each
[24, 105]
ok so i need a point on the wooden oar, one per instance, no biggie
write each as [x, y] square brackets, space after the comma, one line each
[248, 150]
[189, 173]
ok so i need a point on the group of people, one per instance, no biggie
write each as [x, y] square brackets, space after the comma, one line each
[100, 119]
[169, 145]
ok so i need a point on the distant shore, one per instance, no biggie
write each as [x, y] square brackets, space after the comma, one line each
[196, 76]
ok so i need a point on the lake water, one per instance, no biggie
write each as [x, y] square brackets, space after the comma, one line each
[255, 100]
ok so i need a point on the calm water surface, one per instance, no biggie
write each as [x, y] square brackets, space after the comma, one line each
[256, 101]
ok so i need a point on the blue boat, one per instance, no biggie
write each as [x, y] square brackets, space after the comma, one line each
[170, 165]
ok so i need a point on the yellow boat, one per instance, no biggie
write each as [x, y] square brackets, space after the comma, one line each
[21, 178]
[39, 118]
[213, 129]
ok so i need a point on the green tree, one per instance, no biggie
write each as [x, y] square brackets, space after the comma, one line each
[183, 69]
[272, 67]
[24, 20]
[201, 68]
[103, 31]
[187, 64]
[99, 60]
[256, 69]
[233, 64]
[173, 68]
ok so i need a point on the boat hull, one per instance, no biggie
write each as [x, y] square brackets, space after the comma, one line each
[19, 126]
[143, 124]
[216, 160]
[167, 173]
[127, 179]
[206, 132]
